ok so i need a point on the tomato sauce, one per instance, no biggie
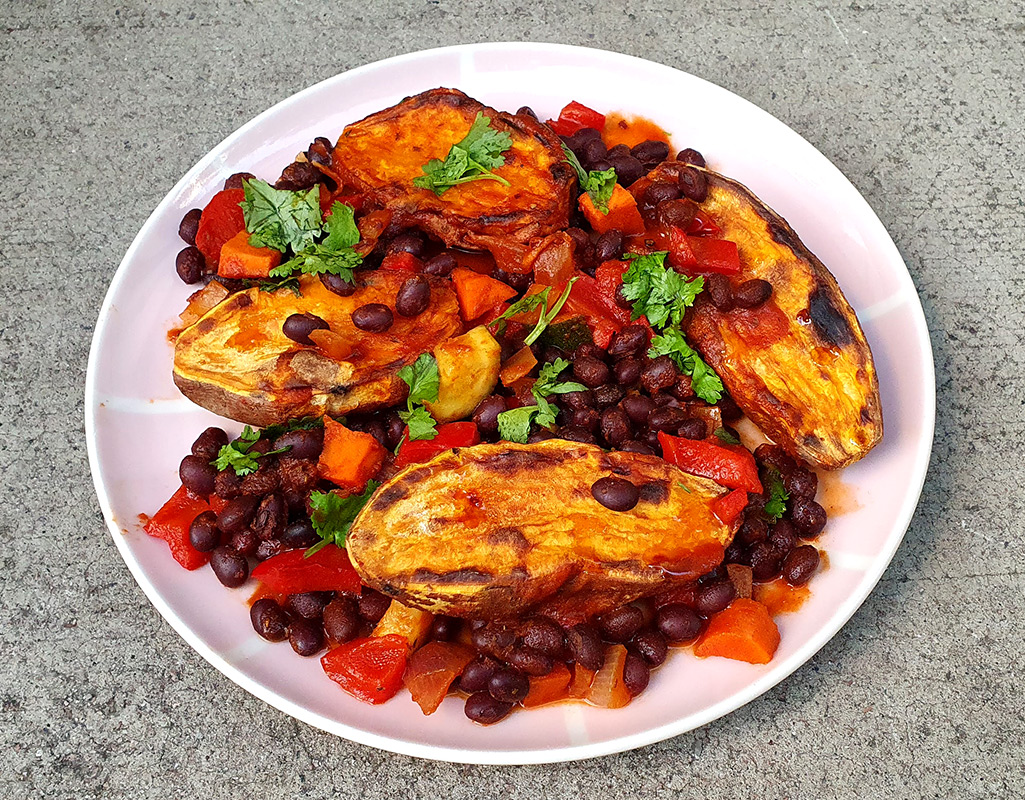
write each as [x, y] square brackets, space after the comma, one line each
[620, 129]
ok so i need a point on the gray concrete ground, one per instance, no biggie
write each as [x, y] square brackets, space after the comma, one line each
[103, 105]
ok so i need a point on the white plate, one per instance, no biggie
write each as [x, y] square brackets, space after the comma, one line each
[138, 426]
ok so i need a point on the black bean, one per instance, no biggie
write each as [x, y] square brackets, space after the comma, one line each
[693, 184]
[508, 685]
[298, 327]
[650, 645]
[619, 150]
[628, 169]
[543, 635]
[638, 407]
[337, 284]
[198, 475]
[269, 619]
[302, 443]
[306, 636]
[800, 564]
[582, 137]
[593, 151]
[520, 281]
[590, 371]
[600, 165]
[627, 371]
[764, 561]
[635, 674]
[441, 265]
[651, 151]
[575, 400]
[659, 374]
[494, 639]
[373, 317]
[801, 483]
[228, 485]
[373, 604]
[486, 414]
[729, 409]
[574, 433]
[719, 290]
[676, 213]
[209, 443]
[667, 419]
[484, 709]
[585, 418]
[234, 181]
[297, 176]
[692, 428]
[752, 293]
[585, 646]
[808, 517]
[735, 553]
[189, 225]
[775, 456]
[609, 246]
[631, 341]
[658, 193]
[204, 535]
[616, 494]
[299, 534]
[477, 673]
[237, 514]
[608, 394]
[539, 435]
[268, 549]
[754, 529]
[691, 156]
[615, 428]
[230, 566]
[714, 597]
[341, 620]
[530, 661]
[308, 605]
[678, 623]
[634, 446]
[590, 350]
[621, 624]
[271, 516]
[394, 429]
[190, 265]
[783, 537]
[407, 242]
[444, 629]
[244, 542]
[526, 111]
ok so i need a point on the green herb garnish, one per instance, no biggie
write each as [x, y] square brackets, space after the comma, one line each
[514, 425]
[237, 455]
[726, 437]
[703, 380]
[657, 292]
[423, 379]
[470, 159]
[279, 218]
[529, 303]
[598, 184]
[777, 495]
[332, 515]
[296, 424]
[334, 255]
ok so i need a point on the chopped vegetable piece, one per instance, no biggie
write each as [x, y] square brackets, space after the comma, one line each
[171, 523]
[478, 294]
[608, 689]
[715, 255]
[431, 671]
[575, 117]
[728, 465]
[622, 214]
[580, 686]
[239, 259]
[403, 261]
[220, 221]
[548, 688]
[730, 506]
[744, 631]
[450, 435]
[370, 669]
[518, 366]
[292, 572]
[349, 458]
[279, 218]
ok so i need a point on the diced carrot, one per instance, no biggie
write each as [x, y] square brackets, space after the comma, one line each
[608, 689]
[349, 458]
[478, 293]
[581, 683]
[221, 219]
[239, 259]
[743, 631]
[518, 366]
[548, 688]
[623, 214]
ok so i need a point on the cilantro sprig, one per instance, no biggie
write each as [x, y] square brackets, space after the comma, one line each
[777, 495]
[514, 425]
[703, 380]
[658, 292]
[423, 379]
[725, 436]
[599, 184]
[332, 515]
[529, 303]
[334, 255]
[278, 218]
[238, 455]
[472, 158]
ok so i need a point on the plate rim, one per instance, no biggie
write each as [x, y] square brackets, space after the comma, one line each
[572, 752]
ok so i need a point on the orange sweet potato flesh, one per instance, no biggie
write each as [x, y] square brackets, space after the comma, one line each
[239, 259]
[799, 366]
[349, 458]
[495, 530]
[744, 631]
[381, 155]
[237, 362]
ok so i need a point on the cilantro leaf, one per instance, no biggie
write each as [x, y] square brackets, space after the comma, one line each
[332, 515]
[295, 424]
[726, 437]
[599, 185]
[546, 385]
[573, 161]
[777, 495]
[514, 424]
[279, 218]
[420, 422]
[292, 284]
[341, 228]
[657, 292]
[422, 378]
[522, 306]
[334, 255]
[236, 455]
[470, 159]
[703, 380]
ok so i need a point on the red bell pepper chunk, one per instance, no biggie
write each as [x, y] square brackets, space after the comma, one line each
[681, 255]
[715, 255]
[221, 220]
[171, 523]
[450, 435]
[575, 117]
[370, 669]
[731, 466]
[730, 506]
[291, 572]
[595, 300]
[402, 261]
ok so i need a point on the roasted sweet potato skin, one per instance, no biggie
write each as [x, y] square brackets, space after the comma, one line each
[495, 530]
[799, 366]
[237, 362]
[380, 156]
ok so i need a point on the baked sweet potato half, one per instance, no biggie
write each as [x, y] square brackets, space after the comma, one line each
[799, 365]
[380, 157]
[494, 530]
[236, 361]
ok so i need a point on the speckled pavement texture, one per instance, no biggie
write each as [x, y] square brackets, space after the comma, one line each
[104, 105]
